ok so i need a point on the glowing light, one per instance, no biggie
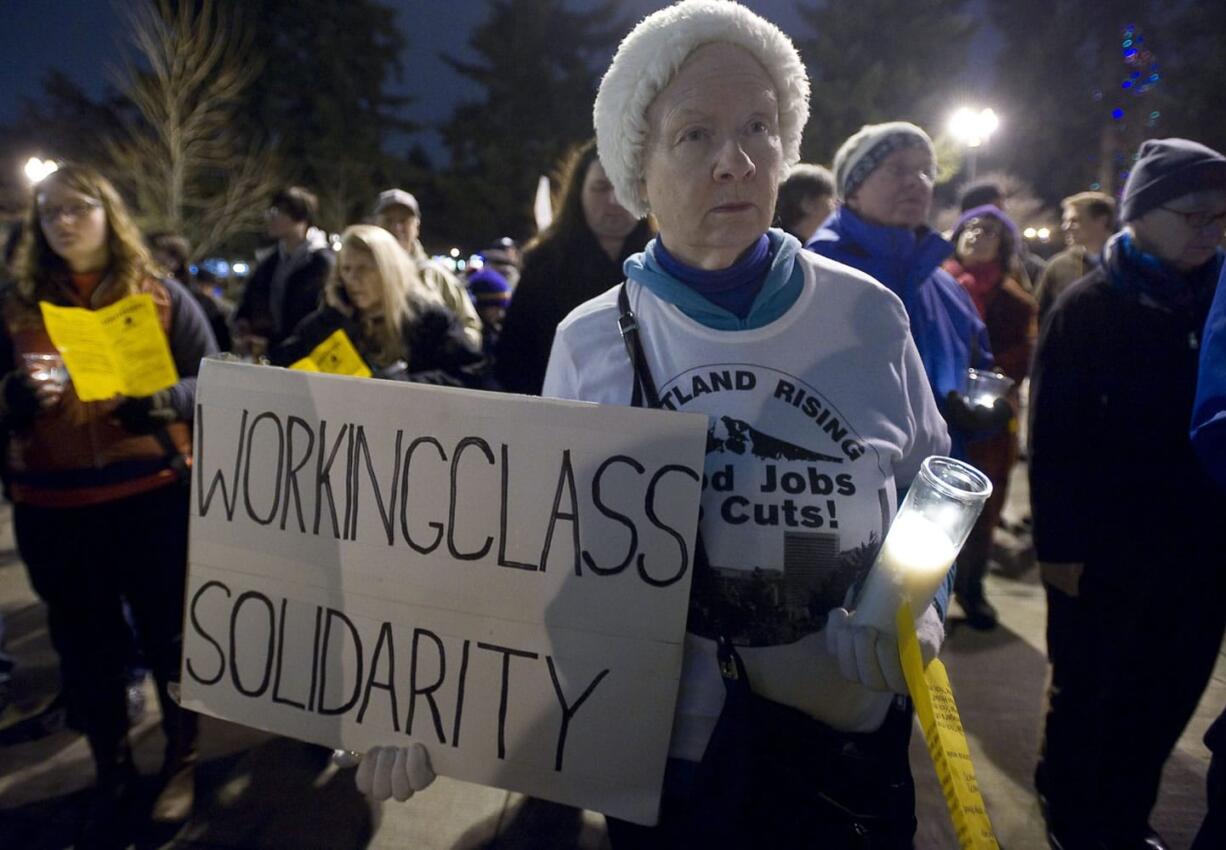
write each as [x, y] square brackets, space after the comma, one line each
[240, 268]
[1127, 84]
[1044, 234]
[1155, 114]
[454, 252]
[1117, 114]
[973, 127]
[1030, 233]
[38, 170]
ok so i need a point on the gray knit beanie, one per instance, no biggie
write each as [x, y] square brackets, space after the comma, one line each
[860, 155]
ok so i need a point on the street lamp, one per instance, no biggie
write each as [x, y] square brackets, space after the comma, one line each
[38, 170]
[973, 128]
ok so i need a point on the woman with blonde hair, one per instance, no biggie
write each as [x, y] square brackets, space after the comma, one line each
[100, 504]
[377, 298]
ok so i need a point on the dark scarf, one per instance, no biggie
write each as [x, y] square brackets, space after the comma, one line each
[1141, 275]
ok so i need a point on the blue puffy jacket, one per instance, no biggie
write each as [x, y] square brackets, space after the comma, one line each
[1209, 411]
[946, 327]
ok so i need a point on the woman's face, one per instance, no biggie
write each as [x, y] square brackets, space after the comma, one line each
[979, 241]
[605, 217]
[74, 225]
[360, 277]
[899, 192]
[714, 156]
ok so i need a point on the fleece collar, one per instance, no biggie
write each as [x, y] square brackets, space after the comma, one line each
[783, 285]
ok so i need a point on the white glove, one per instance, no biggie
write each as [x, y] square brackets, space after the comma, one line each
[386, 772]
[869, 657]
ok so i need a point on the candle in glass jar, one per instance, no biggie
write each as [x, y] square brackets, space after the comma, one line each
[914, 560]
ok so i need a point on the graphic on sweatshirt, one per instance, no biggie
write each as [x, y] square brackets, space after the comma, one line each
[794, 504]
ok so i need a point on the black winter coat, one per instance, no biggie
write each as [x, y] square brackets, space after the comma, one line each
[557, 278]
[436, 347]
[1113, 476]
[303, 291]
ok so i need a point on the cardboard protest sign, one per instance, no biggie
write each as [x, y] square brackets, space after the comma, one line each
[502, 578]
[119, 349]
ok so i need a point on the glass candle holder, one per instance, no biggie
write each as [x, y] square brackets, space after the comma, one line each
[45, 368]
[928, 532]
[983, 388]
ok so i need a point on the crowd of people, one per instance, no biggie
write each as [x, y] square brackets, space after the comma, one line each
[688, 235]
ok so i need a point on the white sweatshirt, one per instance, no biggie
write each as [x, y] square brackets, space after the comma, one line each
[816, 420]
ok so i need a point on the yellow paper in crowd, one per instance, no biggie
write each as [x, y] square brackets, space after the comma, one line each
[942, 728]
[336, 356]
[117, 350]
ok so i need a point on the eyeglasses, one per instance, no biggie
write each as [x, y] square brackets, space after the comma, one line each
[74, 211]
[1198, 219]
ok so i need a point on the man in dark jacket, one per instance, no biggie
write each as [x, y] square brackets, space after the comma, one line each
[1088, 220]
[1124, 515]
[286, 285]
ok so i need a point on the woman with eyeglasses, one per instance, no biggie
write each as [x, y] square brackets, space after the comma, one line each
[987, 266]
[99, 494]
[375, 296]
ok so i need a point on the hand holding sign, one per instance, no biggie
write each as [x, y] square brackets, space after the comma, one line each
[398, 772]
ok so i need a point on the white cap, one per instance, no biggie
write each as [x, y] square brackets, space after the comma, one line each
[650, 56]
[397, 198]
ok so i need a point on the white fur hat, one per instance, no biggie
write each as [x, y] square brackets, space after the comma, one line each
[650, 56]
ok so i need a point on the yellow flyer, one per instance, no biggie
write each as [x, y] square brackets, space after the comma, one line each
[942, 728]
[117, 350]
[336, 356]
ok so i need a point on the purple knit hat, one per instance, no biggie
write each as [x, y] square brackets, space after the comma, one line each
[489, 288]
[993, 212]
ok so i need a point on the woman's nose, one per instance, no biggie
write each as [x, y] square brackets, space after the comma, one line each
[734, 163]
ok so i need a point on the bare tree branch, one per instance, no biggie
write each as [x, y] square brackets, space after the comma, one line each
[186, 162]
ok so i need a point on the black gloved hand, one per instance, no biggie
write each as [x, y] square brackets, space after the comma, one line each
[999, 415]
[977, 419]
[18, 399]
[146, 414]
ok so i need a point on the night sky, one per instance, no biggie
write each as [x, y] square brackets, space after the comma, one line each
[84, 37]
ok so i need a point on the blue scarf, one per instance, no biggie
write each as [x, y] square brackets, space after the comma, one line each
[782, 280]
[733, 288]
[1141, 275]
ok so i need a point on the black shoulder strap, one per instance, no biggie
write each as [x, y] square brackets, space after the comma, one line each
[730, 664]
[644, 384]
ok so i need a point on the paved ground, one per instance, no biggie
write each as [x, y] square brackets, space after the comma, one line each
[261, 791]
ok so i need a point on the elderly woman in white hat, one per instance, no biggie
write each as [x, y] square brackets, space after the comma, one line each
[820, 414]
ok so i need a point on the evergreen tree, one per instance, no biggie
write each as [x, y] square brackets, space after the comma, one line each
[538, 65]
[1084, 84]
[323, 97]
[880, 60]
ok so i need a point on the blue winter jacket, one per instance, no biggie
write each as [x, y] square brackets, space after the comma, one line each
[1209, 411]
[947, 329]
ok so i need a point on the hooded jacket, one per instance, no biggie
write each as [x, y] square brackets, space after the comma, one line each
[947, 329]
